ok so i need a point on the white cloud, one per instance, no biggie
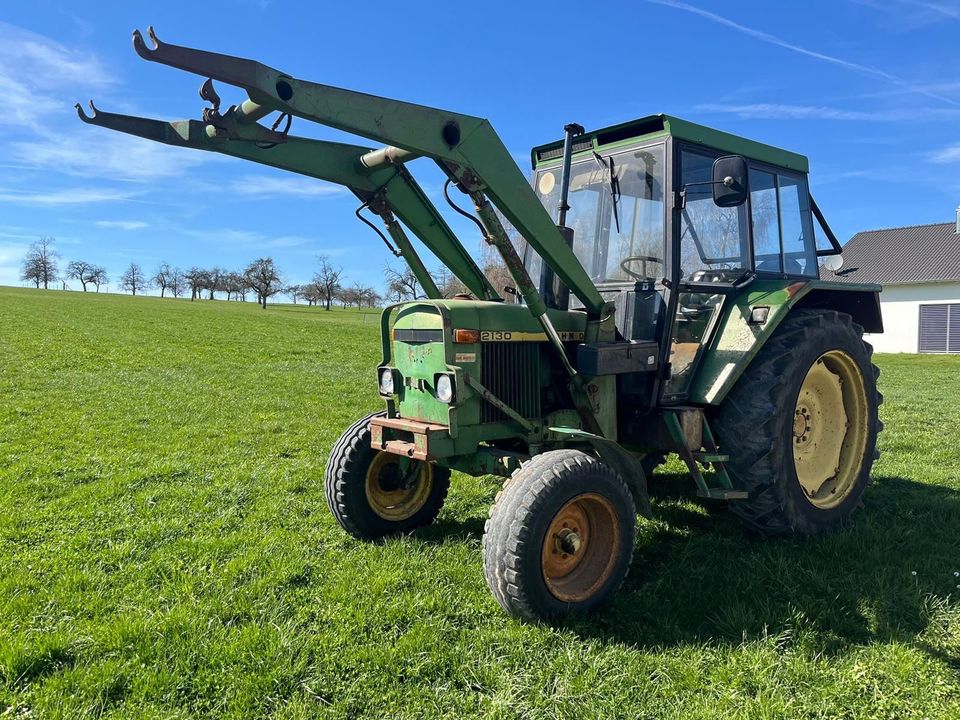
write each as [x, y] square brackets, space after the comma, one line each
[57, 64]
[927, 12]
[99, 153]
[781, 111]
[40, 79]
[261, 186]
[774, 40]
[17, 232]
[949, 154]
[34, 72]
[68, 196]
[121, 224]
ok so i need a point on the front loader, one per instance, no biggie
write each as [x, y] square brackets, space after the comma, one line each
[666, 298]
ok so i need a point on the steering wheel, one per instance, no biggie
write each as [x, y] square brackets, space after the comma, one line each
[641, 259]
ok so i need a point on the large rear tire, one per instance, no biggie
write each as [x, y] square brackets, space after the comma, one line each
[560, 536]
[801, 424]
[373, 494]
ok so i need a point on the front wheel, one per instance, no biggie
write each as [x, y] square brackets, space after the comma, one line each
[373, 494]
[560, 536]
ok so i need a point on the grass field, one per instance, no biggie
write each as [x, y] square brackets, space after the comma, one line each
[166, 552]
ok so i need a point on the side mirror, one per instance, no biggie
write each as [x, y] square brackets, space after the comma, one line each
[730, 183]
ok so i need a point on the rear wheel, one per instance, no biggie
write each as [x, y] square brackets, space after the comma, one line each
[801, 425]
[373, 493]
[560, 536]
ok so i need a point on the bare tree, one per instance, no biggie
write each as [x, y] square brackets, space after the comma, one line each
[262, 275]
[359, 294]
[162, 278]
[327, 280]
[495, 269]
[312, 293]
[40, 264]
[347, 296]
[294, 292]
[213, 281]
[133, 279]
[195, 278]
[83, 271]
[372, 298]
[402, 283]
[177, 282]
[235, 284]
[448, 284]
[100, 277]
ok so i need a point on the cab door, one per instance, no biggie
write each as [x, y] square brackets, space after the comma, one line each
[714, 256]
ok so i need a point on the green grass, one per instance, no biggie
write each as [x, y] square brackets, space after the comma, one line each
[166, 552]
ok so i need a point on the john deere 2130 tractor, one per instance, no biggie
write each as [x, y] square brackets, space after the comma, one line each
[666, 298]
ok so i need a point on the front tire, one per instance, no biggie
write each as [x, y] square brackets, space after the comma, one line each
[801, 424]
[560, 536]
[373, 494]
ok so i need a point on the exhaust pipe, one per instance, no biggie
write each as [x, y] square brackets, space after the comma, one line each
[556, 294]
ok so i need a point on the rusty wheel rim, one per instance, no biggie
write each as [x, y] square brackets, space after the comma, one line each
[397, 488]
[580, 548]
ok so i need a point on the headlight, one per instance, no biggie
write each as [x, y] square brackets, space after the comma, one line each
[444, 389]
[386, 381]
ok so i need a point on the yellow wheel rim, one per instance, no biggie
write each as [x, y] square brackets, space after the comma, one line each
[580, 548]
[830, 429]
[397, 487]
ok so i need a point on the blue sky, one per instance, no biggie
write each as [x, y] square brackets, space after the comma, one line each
[868, 89]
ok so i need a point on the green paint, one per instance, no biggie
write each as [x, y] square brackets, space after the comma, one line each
[654, 126]
[737, 342]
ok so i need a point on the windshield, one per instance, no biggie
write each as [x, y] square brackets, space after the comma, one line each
[635, 250]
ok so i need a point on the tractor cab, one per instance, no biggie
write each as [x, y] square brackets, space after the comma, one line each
[649, 211]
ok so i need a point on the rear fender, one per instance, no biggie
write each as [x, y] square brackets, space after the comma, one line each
[737, 340]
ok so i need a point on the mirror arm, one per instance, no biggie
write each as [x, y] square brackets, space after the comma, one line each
[836, 248]
[728, 181]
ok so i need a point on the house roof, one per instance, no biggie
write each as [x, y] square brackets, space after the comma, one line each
[915, 254]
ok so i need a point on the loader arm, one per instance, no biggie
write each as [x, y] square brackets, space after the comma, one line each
[453, 140]
[334, 162]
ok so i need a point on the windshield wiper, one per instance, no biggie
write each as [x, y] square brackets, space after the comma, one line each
[610, 167]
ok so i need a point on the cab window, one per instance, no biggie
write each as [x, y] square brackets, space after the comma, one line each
[713, 240]
[783, 240]
[796, 227]
[766, 221]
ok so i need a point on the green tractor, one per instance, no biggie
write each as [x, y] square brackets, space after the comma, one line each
[666, 298]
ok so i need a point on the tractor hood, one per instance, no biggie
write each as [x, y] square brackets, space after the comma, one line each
[491, 345]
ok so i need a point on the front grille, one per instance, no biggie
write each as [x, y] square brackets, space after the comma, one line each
[511, 371]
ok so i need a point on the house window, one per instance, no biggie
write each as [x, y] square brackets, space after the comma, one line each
[940, 328]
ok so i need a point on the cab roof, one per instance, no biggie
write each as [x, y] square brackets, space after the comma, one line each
[654, 126]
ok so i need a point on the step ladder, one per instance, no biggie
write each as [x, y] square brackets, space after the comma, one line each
[709, 455]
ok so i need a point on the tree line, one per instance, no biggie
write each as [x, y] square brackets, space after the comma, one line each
[261, 279]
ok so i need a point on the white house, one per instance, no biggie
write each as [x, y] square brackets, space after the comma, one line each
[919, 268]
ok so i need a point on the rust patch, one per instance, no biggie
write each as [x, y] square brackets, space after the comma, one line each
[793, 288]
